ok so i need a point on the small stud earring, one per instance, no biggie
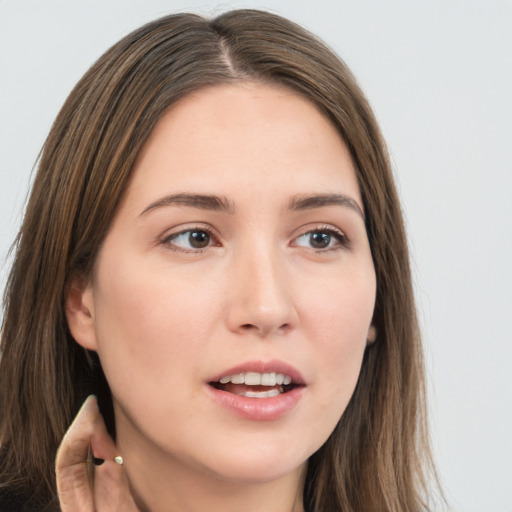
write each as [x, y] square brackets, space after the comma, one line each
[372, 334]
[119, 460]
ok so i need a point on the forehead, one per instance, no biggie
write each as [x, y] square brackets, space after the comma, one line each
[224, 139]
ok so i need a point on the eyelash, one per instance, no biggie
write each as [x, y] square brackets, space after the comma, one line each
[167, 241]
[342, 240]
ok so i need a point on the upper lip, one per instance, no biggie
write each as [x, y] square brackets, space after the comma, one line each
[275, 365]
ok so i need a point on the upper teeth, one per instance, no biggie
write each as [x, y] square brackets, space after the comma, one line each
[257, 379]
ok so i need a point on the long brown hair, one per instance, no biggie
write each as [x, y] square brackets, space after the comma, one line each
[377, 455]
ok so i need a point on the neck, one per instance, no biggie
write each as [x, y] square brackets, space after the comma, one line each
[183, 489]
[195, 494]
[162, 482]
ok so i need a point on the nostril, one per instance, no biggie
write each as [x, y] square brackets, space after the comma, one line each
[250, 327]
[264, 330]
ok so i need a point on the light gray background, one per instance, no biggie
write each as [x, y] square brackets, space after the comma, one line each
[439, 76]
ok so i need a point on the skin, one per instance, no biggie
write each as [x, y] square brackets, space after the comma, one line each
[165, 317]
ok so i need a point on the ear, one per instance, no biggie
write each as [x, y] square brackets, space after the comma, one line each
[372, 335]
[80, 314]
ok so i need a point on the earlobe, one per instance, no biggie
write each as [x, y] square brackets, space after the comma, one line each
[80, 314]
[372, 335]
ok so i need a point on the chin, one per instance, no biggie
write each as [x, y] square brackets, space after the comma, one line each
[262, 462]
[258, 472]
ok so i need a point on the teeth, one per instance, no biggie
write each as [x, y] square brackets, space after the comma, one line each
[257, 379]
[238, 378]
[268, 379]
[252, 379]
[260, 394]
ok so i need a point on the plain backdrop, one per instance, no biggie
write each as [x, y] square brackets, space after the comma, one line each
[439, 76]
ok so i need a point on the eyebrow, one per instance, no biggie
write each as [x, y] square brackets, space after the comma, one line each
[223, 204]
[200, 201]
[308, 202]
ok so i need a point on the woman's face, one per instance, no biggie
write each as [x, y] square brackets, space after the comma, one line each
[239, 253]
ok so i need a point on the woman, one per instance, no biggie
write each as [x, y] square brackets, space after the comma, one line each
[214, 247]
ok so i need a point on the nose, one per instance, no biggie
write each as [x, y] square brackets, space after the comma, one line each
[261, 298]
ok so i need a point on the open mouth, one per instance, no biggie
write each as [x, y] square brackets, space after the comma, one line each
[255, 385]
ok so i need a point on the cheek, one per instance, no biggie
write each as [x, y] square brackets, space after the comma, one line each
[149, 320]
[340, 311]
[338, 319]
[150, 331]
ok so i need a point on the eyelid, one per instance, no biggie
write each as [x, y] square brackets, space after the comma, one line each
[343, 242]
[169, 235]
[342, 238]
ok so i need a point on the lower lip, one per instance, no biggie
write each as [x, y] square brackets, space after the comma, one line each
[258, 409]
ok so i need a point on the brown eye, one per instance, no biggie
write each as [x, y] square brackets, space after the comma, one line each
[199, 239]
[319, 240]
[189, 240]
[324, 239]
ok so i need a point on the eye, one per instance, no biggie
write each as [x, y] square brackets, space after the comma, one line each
[323, 239]
[190, 240]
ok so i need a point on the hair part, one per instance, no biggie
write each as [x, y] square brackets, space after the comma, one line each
[378, 457]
